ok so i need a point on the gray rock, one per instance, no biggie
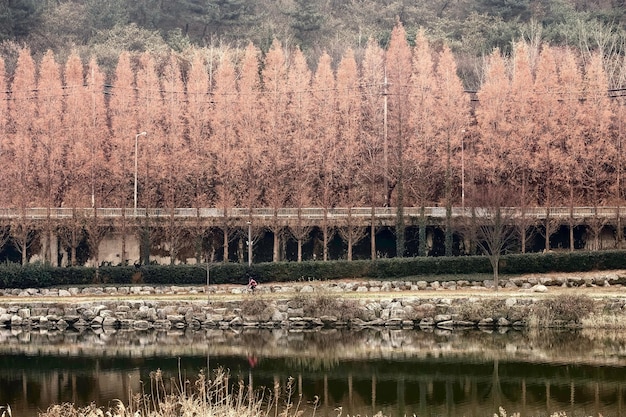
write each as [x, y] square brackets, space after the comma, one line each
[141, 325]
[109, 321]
[442, 317]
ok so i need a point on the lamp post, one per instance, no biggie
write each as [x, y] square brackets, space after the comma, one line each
[136, 146]
[249, 243]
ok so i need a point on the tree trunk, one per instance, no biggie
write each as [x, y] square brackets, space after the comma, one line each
[123, 257]
[325, 234]
[225, 230]
[423, 247]
[276, 248]
[372, 236]
[350, 245]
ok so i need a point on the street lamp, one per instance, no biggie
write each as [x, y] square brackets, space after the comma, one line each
[136, 140]
[249, 243]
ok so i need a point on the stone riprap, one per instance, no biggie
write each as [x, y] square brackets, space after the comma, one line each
[395, 304]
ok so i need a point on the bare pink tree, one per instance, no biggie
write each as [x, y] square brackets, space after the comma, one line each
[348, 129]
[300, 152]
[23, 113]
[123, 119]
[224, 147]
[372, 135]
[48, 143]
[275, 139]
[324, 110]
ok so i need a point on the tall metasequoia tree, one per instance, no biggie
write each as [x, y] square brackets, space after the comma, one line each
[398, 72]
[421, 148]
[99, 139]
[150, 150]
[348, 127]
[49, 142]
[123, 116]
[21, 175]
[173, 154]
[75, 174]
[150, 112]
[301, 150]
[600, 149]
[77, 155]
[103, 192]
[5, 190]
[197, 121]
[123, 119]
[548, 162]
[522, 138]
[194, 170]
[618, 125]
[492, 117]
[247, 127]
[452, 108]
[372, 121]
[568, 129]
[275, 140]
[323, 111]
[224, 146]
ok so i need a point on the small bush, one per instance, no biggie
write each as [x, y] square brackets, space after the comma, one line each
[255, 307]
[483, 309]
[566, 309]
[323, 304]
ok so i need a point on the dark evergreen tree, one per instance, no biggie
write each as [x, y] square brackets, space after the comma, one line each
[18, 18]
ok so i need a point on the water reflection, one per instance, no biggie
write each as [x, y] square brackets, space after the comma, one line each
[460, 373]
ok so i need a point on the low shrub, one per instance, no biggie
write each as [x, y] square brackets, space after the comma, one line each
[255, 307]
[483, 309]
[329, 305]
[419, 268]
[562, 310]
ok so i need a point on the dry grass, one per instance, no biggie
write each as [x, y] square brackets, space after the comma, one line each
[210, 398]
[204, 397]
[563, 310]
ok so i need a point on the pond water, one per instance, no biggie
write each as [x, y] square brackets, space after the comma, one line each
[398, 372]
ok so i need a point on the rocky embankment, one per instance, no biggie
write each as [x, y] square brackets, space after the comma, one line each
[395, 304]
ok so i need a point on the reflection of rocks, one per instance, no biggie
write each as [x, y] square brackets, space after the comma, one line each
[318, 347]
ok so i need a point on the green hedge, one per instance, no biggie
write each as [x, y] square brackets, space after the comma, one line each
[39, 275]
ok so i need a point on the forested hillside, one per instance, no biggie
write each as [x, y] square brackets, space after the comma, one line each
[472, 28]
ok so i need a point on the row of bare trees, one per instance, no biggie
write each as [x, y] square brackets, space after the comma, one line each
[390, 127]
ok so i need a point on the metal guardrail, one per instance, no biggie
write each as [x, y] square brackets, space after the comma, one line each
[311, 213]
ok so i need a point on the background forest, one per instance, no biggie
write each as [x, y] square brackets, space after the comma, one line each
[472, 28]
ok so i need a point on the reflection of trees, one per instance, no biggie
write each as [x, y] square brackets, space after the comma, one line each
[318, 363]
